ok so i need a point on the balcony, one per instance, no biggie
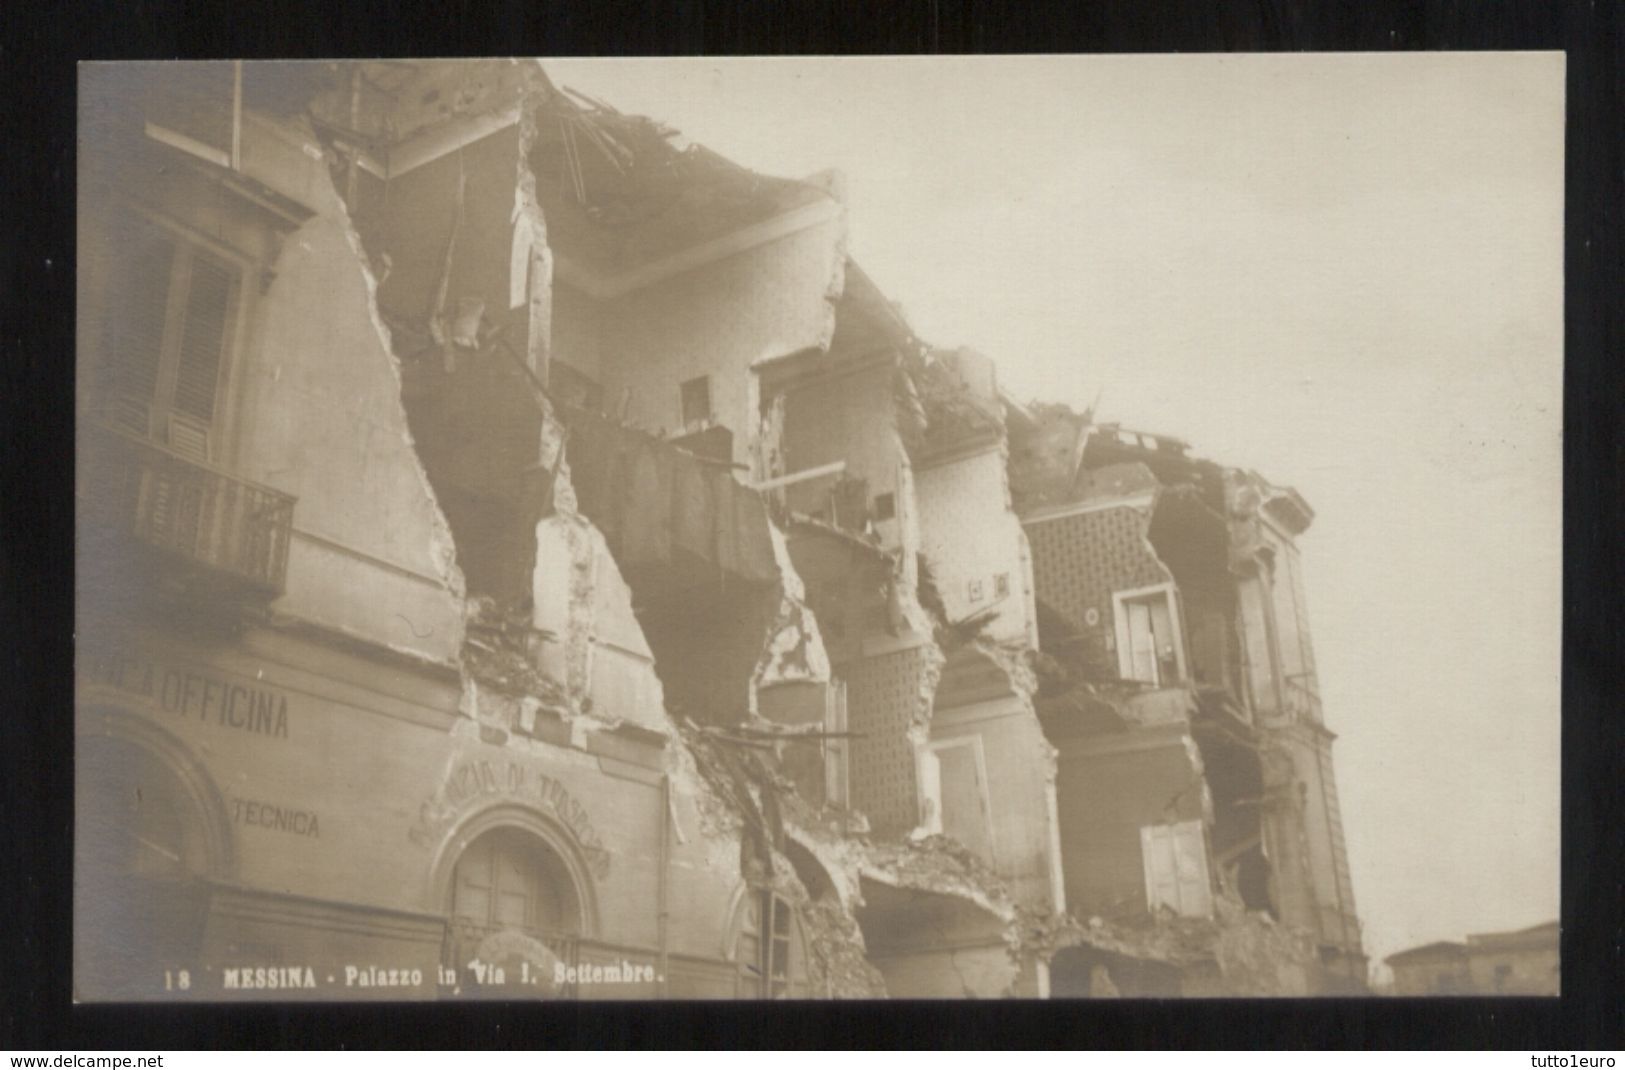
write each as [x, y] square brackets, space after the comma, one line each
[1302, 698]
[225, 534]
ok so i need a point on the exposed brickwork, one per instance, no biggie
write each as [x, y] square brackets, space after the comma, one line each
[1078, 561]
[881, 697]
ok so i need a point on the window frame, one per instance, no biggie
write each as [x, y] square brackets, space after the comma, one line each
[757, 975]
[1174, 835]
[187, 246]
[1121, 629]
[930, 779]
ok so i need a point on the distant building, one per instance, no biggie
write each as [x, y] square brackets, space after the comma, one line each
[1523, 962]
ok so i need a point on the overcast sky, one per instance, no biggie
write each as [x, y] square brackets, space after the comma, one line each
[1343, 271]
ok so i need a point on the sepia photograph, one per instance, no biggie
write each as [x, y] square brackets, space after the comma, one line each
[1058, 527]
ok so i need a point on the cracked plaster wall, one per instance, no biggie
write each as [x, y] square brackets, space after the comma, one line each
[719, 320]
[598, 657]
[1107, 793]
[971, 537]
[850, 416]
[322, 415]
[967, 551]
[1021, 770]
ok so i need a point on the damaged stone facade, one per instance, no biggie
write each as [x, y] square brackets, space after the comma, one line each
[1197, 794]
[531, 559]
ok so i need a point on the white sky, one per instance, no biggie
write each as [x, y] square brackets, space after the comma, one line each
[1343, 271]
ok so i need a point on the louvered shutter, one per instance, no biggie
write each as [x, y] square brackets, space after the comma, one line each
[203, 339]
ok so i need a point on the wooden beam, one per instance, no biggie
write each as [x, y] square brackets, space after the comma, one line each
[802, 476]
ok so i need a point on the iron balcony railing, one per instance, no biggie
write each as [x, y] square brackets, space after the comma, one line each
[1302, 698]
[186, 509]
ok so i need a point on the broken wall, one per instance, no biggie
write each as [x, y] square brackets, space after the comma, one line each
[887, 694]
[718, 320]
[938, 924]
[480, 430]
[320, 415]
[1109, 788]
[1079, 560]
[569, 695]
[1192, 541]
[947, 972]
[975, 544]
[847, 413]
[577, 344]
[1019, 793]
[1046, 444]
[443, 237]
[697, 549]
[594, 646]
[456, 210]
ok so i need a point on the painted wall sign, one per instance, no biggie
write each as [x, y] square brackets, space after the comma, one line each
[193, 694]
[280, 818]
[475, 781]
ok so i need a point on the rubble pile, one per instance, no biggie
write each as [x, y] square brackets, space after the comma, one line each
[1241, 952]
[835, 945]
[499, 650]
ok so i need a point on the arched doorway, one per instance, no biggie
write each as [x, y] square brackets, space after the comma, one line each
[516, 913]
[142, 846]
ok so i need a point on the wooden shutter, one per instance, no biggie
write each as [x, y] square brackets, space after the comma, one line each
[777, 936]
[1142, 651]
[167, 342]
[202, 345]
[1164, 641]
[1156, 851]
[748, 952]
[1176, 873]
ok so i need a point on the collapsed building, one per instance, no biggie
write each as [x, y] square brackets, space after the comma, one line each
[1179, 685]
[521, 555]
